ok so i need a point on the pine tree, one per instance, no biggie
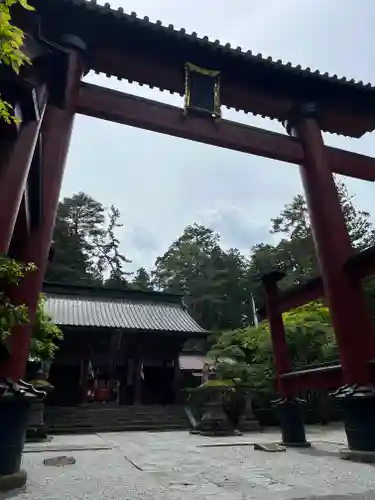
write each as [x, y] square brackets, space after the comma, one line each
[142, 280]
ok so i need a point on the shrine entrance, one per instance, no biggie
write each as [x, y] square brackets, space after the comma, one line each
[69, 38]
[126, 354]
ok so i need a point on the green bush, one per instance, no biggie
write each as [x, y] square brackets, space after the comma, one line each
[45, 335]
[11, 54]
[11, 315]
[246, 355]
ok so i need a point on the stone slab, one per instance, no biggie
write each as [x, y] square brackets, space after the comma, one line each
[269, 447]
[296, 445]
[73, 442]
[60, 461]
[65, 448]
[174, 466]
[229, 443]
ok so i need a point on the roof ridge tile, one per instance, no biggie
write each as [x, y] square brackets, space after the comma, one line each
[106, 8]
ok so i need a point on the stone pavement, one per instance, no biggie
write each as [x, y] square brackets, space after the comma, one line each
[176, 465]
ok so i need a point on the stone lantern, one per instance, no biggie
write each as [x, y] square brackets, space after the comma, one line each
[36, 429]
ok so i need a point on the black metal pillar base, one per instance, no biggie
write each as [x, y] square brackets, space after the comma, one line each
[362, 457]
[15, 402]
[291, 422]
[358, 406]
[13, 481]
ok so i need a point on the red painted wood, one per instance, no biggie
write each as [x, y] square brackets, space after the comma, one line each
[22, 228]
[126, 109]
[362, 264]
[300, 295]
[13, 176]
[235, 92]
[56, 132]
[280, 347]
[349, 313]
[314, 378]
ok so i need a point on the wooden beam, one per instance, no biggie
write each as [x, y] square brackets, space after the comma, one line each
[169, 76]
[22, 227]
[323, 377]
[150, 115]
[301, 294]
[241, 88]
[362, 264]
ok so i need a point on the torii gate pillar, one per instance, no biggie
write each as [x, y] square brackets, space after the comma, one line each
[350, 316]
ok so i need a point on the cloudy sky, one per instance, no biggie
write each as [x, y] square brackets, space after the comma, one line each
[160, 184]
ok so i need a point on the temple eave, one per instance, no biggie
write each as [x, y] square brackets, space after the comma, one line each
[347, 107]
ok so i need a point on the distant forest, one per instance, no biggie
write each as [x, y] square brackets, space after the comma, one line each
[217, 282]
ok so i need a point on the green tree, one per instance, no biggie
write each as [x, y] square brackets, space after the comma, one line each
[142, 280]
[79, 224]
[298, 247]
[70, 263]
[84, 216]
[196, 265]
[235, 309]
[86, 244]
[295, 252]
[45, 335]
[11, 54]
[249, 351]
[360, 227]
[11, 315]
[108, 254]
[188, 267]
[263, 259]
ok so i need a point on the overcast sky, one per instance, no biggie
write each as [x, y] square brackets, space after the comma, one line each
[160, 184]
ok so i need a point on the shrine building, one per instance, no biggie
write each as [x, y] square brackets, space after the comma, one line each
[120, 346]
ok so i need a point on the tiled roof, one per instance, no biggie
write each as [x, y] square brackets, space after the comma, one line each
[224, 49]
[127, 314]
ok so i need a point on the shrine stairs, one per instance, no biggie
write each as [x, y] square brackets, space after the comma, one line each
[92, 418]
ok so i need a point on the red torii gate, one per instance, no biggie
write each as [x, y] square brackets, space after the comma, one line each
[67, 38]
[330, 376]
[290, 381]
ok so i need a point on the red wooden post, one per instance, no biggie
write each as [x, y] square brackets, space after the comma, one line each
[350, 317]
[288, 407]
[281, 353]
[56, 133]
[8, 135]
[14, 173]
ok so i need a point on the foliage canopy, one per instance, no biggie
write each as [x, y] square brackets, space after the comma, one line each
[245, 355]
[11, 54]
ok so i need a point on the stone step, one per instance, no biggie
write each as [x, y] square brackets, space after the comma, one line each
[109, 428]
[125, 418]
[86, 419]
[116, 413]
[117, 408]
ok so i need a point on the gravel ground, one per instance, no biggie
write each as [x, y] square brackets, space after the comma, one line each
[176, 465]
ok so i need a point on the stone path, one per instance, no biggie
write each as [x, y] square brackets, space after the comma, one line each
[175, 465]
